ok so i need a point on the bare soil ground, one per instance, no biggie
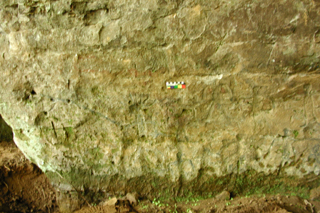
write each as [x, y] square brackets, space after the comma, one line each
[24, 188]
[264, 204]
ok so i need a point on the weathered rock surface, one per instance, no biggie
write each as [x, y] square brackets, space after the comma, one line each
[82, 84]
[225, 195]
[315, 193]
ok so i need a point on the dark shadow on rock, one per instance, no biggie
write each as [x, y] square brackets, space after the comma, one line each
[5, 131]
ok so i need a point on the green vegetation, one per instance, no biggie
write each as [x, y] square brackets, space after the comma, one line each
[295, 133]
[157, 202]
[254, 183]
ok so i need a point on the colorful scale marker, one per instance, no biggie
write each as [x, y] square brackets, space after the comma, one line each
[176, 85]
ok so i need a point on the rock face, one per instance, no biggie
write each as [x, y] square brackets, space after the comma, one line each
[82, 84]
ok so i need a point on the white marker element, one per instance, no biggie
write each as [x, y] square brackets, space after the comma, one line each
[174, 83]
[210, 79]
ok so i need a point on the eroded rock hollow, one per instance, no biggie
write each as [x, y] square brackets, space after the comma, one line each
[83, 86]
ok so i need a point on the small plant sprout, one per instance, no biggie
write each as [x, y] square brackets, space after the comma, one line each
[157, 202]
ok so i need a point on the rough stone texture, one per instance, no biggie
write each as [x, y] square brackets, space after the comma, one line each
[82, 84]
[315, 193]
[225, 195]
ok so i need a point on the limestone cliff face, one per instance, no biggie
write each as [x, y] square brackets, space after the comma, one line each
[82, 84]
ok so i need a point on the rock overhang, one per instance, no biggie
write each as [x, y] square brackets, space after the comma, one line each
[83, 87]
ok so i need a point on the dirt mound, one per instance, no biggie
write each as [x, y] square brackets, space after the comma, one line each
[263, 204]
[23, 186]
[252, 204]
